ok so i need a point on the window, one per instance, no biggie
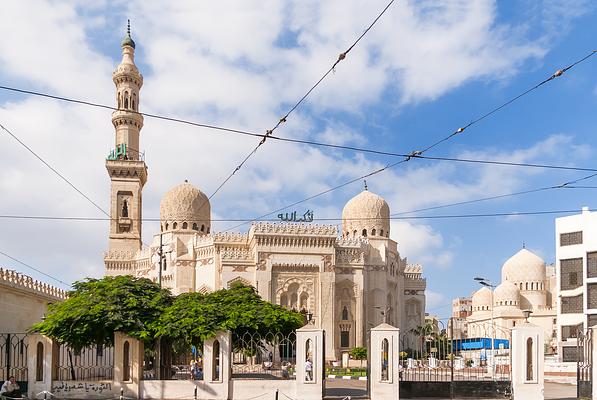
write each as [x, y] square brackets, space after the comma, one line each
[591, 320]
[568, 239]
[571, 305]
[309, 360]
[381, 232]
[174, 225]
[530, 374]
[569, 354]
[126, 365]
[195, 227]
[185, 225]
[571, 273]
[202, 228]
[373, 232]
[364, 232]
[39, 362]
[385, 350]
[345, 314]
[345, 339]
[592, 295]
[592, 265]
[216, 361]
[570, 331]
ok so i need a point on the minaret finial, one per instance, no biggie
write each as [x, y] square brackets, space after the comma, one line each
[128, 27]
[365, 181]
[524, 246]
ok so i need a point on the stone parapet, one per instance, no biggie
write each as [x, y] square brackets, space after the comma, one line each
[17, 280]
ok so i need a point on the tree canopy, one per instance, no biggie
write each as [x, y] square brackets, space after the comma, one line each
[194, 317]
[97, 308]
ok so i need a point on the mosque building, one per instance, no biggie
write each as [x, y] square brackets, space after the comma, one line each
[349, 280]
[527, 284]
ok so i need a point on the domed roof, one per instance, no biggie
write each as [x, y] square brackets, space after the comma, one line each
[524, 266]
[369, 211]
[185, 203]
[482, 297]
[506, 294]
[128, 40]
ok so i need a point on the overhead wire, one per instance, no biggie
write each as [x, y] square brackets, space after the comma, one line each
[284, 118]
[35, 269]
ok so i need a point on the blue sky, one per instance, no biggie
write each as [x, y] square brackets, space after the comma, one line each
[424, 70]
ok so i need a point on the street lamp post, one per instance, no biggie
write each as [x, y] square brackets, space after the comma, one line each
[487, 283]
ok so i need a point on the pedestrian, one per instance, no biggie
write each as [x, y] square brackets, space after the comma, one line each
[11, 388]
[308, 370]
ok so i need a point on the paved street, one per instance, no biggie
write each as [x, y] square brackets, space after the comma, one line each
[338, 389]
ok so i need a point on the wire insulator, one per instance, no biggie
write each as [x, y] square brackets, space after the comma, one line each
[342, 56]
[459, 130]
[559, 72]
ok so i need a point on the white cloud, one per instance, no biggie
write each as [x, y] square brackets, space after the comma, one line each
[436, 301]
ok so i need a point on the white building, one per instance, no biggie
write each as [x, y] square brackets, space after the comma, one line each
[576, 271]
[350, 279]
[527, 284]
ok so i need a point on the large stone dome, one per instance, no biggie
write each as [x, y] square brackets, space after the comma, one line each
[185, 207]
[366, 214]
[506, 294]
[524, 267]
[482, 299]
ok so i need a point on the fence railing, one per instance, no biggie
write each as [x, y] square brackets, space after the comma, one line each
[13, 356]
[264, 356]
[169, 361]
[89, 364]
[436, 357]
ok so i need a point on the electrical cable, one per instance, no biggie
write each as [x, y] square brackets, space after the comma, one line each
[34, 269]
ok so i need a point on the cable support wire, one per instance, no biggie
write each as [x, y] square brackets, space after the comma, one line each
[35, 269]
[54, 170]
[565, 185]
[284, 118]
[247, 221]
[268, 135]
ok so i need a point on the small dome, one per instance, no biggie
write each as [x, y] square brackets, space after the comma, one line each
[506, 294]
[482, 299]
[366, 214]
[524, 266]
[128, 41]
[185, 207]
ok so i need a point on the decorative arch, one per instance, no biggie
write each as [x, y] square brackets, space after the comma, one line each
[298, 294]
[239, 280]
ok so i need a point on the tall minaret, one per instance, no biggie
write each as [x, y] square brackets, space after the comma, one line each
[126, 168]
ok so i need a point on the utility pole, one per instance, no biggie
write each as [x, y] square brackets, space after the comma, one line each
[487, 283]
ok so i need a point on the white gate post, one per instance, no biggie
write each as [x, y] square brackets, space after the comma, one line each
[385, 362]
[309, 349]
[128, 368]
[527, 362]
[217, 366]
[42, 361]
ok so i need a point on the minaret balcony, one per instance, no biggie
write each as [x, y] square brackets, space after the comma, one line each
[127, 117]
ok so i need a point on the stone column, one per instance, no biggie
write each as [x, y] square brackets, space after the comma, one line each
[217, 376]
[385, 360]
[360, 324]
[40, 379]
[128, 382]
[309, 346]
[326, 318]
[527, 362]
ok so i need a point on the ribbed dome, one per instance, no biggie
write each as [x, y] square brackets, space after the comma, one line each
[185, 207]
[366, 214]
[506, 294]
[482, 299]
[524, 266]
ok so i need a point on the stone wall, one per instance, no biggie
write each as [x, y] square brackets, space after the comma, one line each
[24, 301]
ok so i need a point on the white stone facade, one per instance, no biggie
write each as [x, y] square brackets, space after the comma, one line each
[349, 279]
[576, 272]
[527, 284]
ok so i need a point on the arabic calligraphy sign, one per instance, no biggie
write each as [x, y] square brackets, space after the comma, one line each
[118, 153]
[292, 217]
[74, 389]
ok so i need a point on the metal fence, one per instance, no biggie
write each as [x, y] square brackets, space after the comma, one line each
[269, 356]
[168, 360]
[436, 357]
[13, 356]
[89, 364]
[584, 364]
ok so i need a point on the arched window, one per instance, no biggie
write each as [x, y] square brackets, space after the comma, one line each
[364, 232]
[304, 301]
[526, 285]
[284, 300]
[309, 360]
[216, 361]
[185, 225]
[373, 232]
[385, 350]
[195, 227]
[166, 226]
[530, 373]
[126, 100]
[354, 233]
[174, 225]
[161, 228]
[208, 229]
[119, 100]
[202, 228]
[134, 101]
[345, 314]
[39, 362]
[126, 363]
[381, 233]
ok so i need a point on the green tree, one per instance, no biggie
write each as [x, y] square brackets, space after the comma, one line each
[359, 353]
[96, 308]
[194, 317]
